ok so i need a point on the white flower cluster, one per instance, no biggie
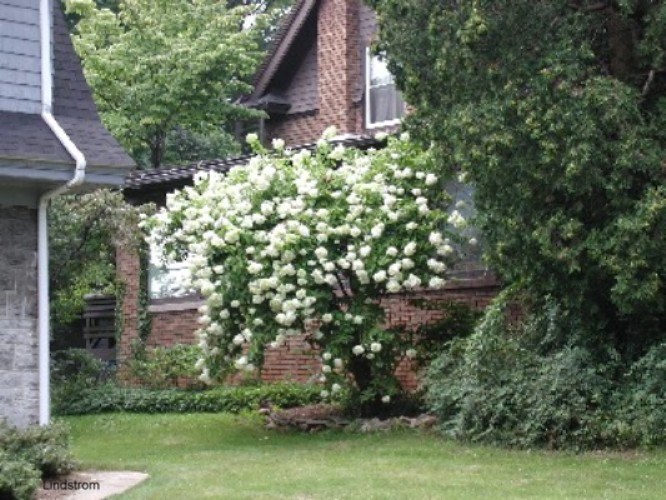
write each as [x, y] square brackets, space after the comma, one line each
[274, 244]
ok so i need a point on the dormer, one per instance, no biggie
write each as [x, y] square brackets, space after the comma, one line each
[321, 72]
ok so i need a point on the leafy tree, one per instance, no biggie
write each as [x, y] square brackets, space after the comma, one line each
[185, 146]
[556, 112]
[83, 230]
[312, 242]
[158, 66]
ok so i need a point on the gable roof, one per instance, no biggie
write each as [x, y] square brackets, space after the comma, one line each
[26, 136]
[285, 36]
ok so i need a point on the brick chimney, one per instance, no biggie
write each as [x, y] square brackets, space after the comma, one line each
[339, 64]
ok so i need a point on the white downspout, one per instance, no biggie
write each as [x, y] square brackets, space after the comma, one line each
[42, 225]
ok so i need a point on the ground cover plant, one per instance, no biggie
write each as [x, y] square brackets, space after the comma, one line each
[226, 456]
[309, 242]
[231, 399]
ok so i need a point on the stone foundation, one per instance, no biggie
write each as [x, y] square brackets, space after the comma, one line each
[19, 379]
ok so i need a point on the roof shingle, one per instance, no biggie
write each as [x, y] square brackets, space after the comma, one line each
[26, 136]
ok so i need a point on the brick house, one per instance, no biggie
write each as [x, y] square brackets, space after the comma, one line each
[49, 129]
[319, 72]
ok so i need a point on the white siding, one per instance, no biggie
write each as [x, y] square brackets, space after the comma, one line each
[19, 56]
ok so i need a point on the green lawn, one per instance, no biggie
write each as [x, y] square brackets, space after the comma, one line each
[224, 456]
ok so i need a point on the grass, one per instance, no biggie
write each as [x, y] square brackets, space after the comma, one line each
[229, 457]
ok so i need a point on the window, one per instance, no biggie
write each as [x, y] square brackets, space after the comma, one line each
[384, 104]
[166, 280]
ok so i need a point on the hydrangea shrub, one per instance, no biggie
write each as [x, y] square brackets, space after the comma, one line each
[309, 241]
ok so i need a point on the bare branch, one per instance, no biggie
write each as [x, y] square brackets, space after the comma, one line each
[341, 285]
[648, 82]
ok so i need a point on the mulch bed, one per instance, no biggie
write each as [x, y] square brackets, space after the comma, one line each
[313, 418]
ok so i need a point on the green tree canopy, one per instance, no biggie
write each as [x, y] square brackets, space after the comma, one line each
[155, 66]
[556, 111]
[83, 232]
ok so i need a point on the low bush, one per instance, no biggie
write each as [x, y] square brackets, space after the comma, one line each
[164, 367]
[46, 448]
[523, 386]
[28, 455]
[643, 415]
[18, 478]
[230, 399]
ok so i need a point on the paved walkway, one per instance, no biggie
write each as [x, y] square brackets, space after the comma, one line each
[92, 485]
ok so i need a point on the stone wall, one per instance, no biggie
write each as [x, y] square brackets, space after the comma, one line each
[19, 382]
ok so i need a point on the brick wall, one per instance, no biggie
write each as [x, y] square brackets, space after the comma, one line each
[339, 65]
[19, 376]
[127, 272]
[296, 129]
[295, 361]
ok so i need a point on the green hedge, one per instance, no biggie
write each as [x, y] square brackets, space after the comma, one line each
[229, 399]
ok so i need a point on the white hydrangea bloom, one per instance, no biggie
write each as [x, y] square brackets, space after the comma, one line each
[377, 230]
[445, 250]
[456, 219]
[379, 276]
[436, 282]
[435, 238]
[241, 362]
[329, 133]
[394, 268]
[412, 281]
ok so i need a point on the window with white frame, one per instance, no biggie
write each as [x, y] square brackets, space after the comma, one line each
[383, 103]
[167, 280]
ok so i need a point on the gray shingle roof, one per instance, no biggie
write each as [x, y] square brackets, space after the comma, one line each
[25, 136]
[165, 178]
